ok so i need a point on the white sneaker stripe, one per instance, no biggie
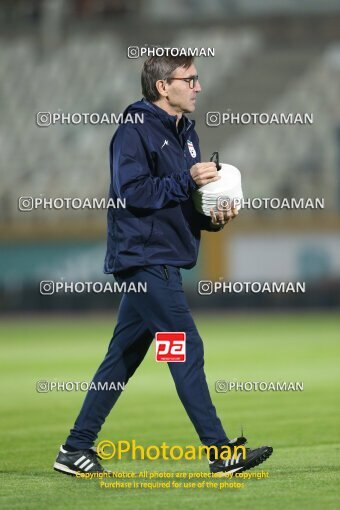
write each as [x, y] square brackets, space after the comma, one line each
[79, 460]
[84, 463]
[89, 466]
[234, 470]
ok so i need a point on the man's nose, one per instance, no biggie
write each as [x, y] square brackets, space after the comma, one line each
[198, 87]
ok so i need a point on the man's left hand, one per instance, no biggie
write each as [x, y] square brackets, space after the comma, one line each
[223, 216]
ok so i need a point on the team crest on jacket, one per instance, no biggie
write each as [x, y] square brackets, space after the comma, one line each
[191, 149]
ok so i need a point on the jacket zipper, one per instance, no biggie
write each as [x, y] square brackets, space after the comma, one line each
[166, 272]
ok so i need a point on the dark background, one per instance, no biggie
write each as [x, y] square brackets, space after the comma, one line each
[270, 56]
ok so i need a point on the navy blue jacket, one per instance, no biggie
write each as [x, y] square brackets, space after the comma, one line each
[150, 165]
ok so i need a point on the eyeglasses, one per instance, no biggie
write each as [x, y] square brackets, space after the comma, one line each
[192, 80]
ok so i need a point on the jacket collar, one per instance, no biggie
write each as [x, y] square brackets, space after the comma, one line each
[170, 120]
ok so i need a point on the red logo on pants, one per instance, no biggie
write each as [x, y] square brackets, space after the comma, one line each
[170, 346]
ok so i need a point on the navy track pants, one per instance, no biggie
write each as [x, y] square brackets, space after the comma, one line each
[140, 316]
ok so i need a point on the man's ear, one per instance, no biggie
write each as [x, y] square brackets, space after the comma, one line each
[162, 87]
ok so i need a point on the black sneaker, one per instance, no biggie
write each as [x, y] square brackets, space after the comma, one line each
[81, 461]
[237, 463]
[94, 450]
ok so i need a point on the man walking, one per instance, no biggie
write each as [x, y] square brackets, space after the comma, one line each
[155, 166]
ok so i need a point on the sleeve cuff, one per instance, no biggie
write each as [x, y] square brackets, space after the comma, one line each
[207, 225]
[192, 183]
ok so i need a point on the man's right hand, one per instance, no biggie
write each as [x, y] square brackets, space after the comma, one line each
[203, 173]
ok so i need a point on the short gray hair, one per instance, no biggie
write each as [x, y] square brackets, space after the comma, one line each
[160, 68]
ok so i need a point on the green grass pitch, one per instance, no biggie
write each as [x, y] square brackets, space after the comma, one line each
[303, 427]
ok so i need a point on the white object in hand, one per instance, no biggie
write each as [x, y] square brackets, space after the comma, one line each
[217, 194]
